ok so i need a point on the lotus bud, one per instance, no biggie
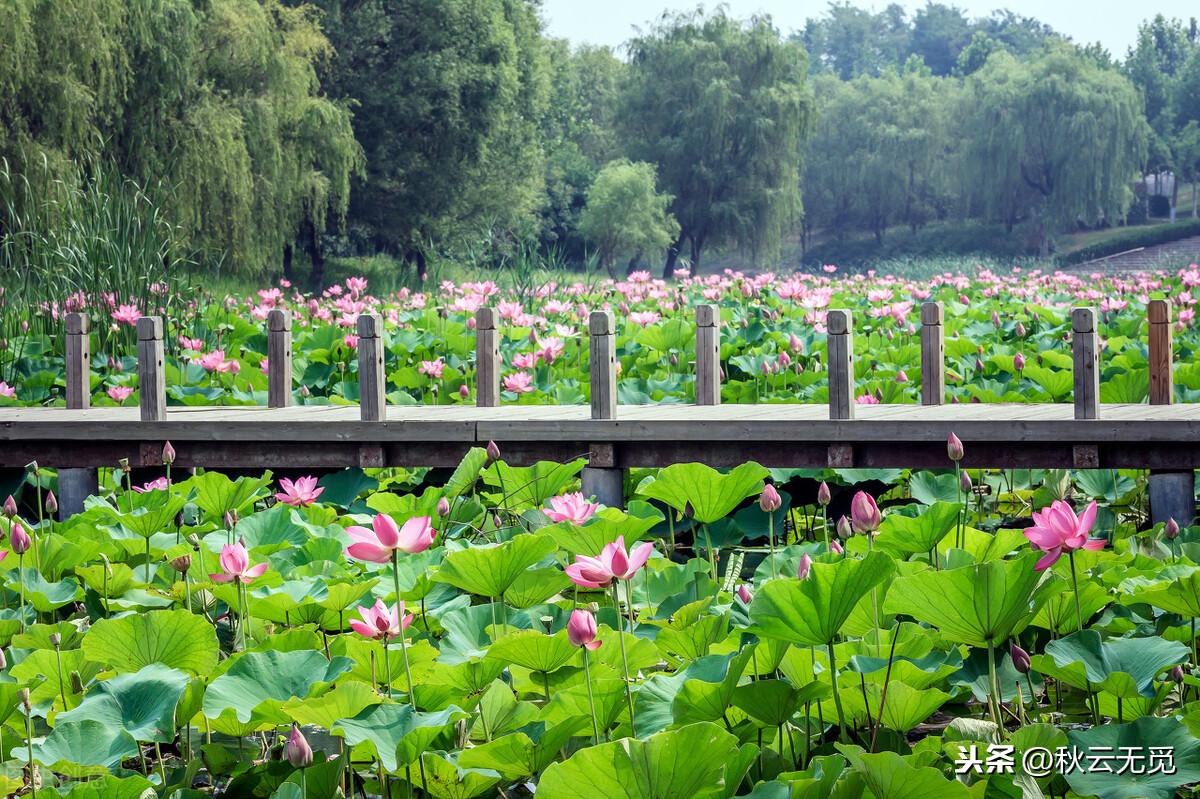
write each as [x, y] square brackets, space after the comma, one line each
[769, 501]
[1171, 529]
[1019, 362]
[836, 547]
[168, 454]
[978, 365]
[864, 513]
[954, 448]
[674, 359]
[443, 507]
[805, 568]
[843, 528]
[964, 482]
[688, 510]
[23, 698]
[55, 640]
[493, 452]
[743, 593]
[76, 683]
[51, 503]
[581, 630]
[464, 391]
[1177, 674]
[304, 392]
[297, 751]
[231, 519]
[182, 563]
[178, 520]
[10, 507]
[1021, 329]
[823, 495]
[996, 318]
[1020, 658]
[19, 540]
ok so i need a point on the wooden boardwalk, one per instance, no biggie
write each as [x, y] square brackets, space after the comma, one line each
[842, 433]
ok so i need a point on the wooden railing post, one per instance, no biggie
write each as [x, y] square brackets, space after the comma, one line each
[602, 478]
[708, 355]
[1162, 365]
[371, 394]
[76, 485]
[933, 354]
[1087, 363]
[840, 327]
[603, 365]
[487, 359]
[152, 385]
[1172, 493]
[279, 358]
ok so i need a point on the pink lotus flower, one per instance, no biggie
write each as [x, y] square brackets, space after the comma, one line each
[377, 544]
[126, 315]
[864, 513]
[18, 539]
[6, 390]
[743, 594]
[644, 318]
[551, 349]
[613, 563]
[235, 565]
[572, 508]
[120, 393]
[581, 630]
[215, 361]
[300, 493]
[380, 621]
[158, 484]
[432, 369]
[769, 501]
[1057, 530]
[518, 382]
[351, 341]
[525, 360]
[297, 751]
[805, 567]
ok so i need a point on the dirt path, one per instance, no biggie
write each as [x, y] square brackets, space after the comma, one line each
[1145, 258]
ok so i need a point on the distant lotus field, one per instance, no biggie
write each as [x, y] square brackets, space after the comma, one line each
[1006, 339]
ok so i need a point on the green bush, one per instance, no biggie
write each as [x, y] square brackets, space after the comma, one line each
[1132, 239]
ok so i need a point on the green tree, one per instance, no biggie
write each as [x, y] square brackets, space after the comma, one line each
[218, 100]
[625, 214]
[939, 34]
[1057, 134]
[448, 97]
[722, 107]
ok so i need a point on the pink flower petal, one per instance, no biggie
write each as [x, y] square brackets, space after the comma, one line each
[1048, 560]
[386, 530]
[369, 552]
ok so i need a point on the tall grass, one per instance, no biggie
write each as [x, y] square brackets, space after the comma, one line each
[87, 240]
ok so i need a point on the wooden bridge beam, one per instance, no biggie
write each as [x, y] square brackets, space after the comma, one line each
[76, 485]
[487, 359]
[606, 483]
[708, 355]
[279, 358]
[933, 354]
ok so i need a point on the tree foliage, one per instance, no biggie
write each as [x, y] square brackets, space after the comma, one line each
[218, 100]
[723, 108]
[625, 214]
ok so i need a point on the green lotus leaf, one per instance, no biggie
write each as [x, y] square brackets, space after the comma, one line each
[345, 700]
[142, 703]
[1176, 591]
[930, 488]
[175, 638]
[687, 763]
[446, 779]
[710, 494]
[991, 601]
[531, 486]
[343, 487]
[1123, 666]
[48, 673]
[396, 734]
[268, 530]
[904, 706]
[110, 787]
[525, 753]
[700, 692]
[811, 612]
[535, 586]
[1142, 736]
[975, 675]
[769, 702]
[258, 683]
[82, 748]
[42, 595]
[909, 535]
[1058, 614]
[488, 570]
[534, 650]
[466, 473]
[151, 512]
[603, 528]
[216, 494]
[890, 776]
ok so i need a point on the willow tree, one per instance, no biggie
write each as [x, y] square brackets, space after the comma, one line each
[219, 101]
[722, 107]
[1058, 134]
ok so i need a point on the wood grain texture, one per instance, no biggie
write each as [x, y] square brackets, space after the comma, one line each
[933, 354]
[1161, 357]
[152, 387]
[1085, 349]
[603, 365]
[487, 359]
[708, 355]
[371, 378]
[78, 355]
[840, 362]
[279, 358]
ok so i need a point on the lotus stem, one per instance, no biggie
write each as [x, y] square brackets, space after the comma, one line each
[837, 699]
[587, 678]
[21, 582]
[403, 643]
[624, 658]
[994, 688]
[387, 669]
[771, 542]
[29, 750]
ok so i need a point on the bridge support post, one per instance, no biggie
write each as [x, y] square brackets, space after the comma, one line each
[75, 485]
[708, 355]
[279, 358]
[607, 485]
[840, 362]
[1172, 494]
[602, 478]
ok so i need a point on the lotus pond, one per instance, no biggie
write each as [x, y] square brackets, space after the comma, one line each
[489, 632]
[1007, 339]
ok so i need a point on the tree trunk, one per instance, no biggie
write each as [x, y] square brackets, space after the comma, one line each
[632, 266]
[672, 257]
[422, 264]
[1194, 190]
[1174, 194]
[310, 240]
[287, 262]
[697, 247]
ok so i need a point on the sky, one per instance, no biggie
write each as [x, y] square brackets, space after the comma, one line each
[1113, 23]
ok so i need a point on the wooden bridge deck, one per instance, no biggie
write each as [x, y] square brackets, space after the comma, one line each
[779, 435]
